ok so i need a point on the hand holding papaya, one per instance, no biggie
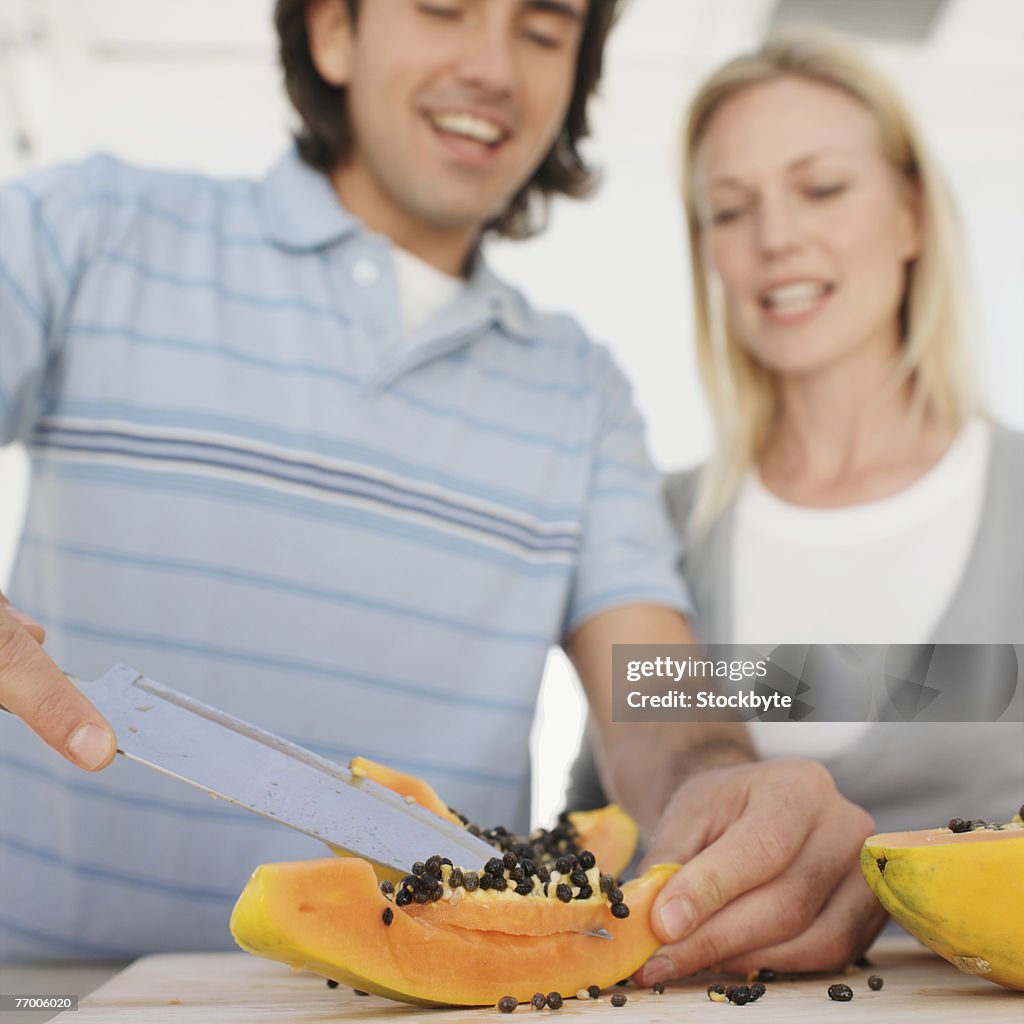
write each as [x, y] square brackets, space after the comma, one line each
[770, 878]
[37, 691]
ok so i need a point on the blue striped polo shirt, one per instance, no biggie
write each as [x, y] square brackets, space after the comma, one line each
[248, 484]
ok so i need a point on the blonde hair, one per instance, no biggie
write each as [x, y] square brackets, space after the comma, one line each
[741, 393]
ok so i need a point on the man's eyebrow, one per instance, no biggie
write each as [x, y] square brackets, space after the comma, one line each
[559, 7]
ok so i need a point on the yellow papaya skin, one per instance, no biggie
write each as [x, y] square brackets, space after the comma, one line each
[960, 894]
[327, 916]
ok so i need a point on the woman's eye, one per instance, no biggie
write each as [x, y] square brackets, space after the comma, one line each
[827, 191]
[727, 215]
[542, 39]
[440, 10]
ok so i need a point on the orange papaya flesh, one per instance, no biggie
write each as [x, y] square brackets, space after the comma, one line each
[328, 916]
[608, 832]
[404, 785]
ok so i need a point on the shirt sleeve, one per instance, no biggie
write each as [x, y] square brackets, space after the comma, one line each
[629, 551]
[46, 231]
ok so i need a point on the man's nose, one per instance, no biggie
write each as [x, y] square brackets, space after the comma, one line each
[487, 60]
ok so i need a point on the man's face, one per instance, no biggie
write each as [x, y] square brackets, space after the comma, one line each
[453, 104]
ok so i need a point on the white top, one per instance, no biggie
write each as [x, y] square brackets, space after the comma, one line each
[423, 290]
[881, 572]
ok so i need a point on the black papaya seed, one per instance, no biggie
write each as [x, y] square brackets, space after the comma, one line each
[875, 983]
[507, 1004]
[840, 993]
[554, 1000]
[619, 999]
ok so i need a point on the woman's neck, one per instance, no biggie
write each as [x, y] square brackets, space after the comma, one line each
[849, 437]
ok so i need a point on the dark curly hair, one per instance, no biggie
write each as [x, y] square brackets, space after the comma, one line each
[325, 136]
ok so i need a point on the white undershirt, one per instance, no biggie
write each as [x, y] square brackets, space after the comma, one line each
[877, 573]
[422, 289]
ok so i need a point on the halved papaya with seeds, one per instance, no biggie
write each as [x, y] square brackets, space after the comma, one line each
[959, 892]
[327, 916]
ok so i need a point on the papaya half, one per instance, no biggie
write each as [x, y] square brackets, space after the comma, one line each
[546, 913]
[960, 892]
[330, 916]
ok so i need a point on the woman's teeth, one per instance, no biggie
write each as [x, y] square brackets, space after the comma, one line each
[794, 298]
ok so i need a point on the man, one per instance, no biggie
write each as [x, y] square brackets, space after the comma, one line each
[298, 452]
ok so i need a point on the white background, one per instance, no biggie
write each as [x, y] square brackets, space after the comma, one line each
[193, 83]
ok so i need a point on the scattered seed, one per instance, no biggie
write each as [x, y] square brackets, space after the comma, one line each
[539, 1001]
[388, 916]
[360, 992]
[554, 1000]
[880, 862]
[875, 983]
[716, 993]
[507, 1004]
[331, 983]
[757, 990]
[840, 993]
[620, 910]
[619, 999]
[958, 825]
[738, 995]
[764, 974]
[659, 988]
[593, 991]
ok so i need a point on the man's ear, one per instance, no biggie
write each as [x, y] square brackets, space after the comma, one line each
[329, 27]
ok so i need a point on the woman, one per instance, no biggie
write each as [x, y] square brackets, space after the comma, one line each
[856, 492]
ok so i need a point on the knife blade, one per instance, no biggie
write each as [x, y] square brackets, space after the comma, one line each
[256, 770]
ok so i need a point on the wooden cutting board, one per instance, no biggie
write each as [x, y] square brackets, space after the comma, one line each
[231, 988]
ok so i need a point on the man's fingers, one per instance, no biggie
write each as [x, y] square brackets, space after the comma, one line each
[34, 688]
[773, 913]
[35, 630]
[755, 850]
[841, 934]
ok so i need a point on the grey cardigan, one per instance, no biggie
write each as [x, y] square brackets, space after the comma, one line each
[908, 775]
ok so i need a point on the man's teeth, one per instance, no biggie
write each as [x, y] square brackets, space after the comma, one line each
[469, 126]
[794, 298]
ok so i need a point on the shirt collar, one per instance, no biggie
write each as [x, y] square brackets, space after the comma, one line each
[299, 208]
[301, 212]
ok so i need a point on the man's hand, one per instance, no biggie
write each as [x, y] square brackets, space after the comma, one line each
[35, 689]
[770, 874]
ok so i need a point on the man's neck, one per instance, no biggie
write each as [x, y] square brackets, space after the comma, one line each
[447, 249]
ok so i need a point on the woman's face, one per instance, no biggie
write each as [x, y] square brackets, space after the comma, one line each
[805, 223]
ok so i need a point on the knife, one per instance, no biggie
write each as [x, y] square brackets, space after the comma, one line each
[263, 773]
